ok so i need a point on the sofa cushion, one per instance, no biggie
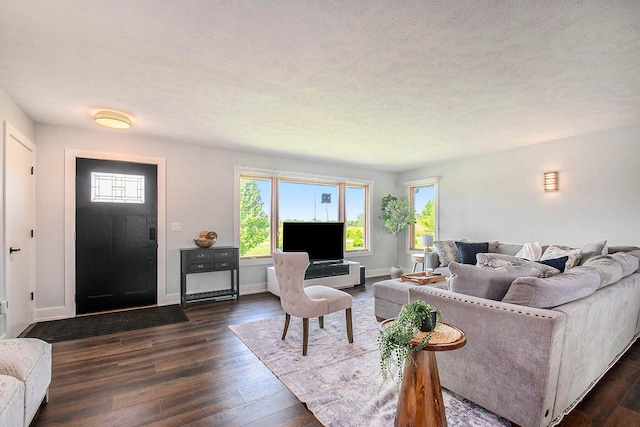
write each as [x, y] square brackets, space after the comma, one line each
[447, 251]
[592, 250]
[531, 251]
[558, 263]
[468, 251]
[486, 282]
[539, 292]
[555, 251]
[11, 401]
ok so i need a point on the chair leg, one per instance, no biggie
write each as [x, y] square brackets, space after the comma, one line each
[305, 335]
[287, 318]
[321, 321]
[349, 325]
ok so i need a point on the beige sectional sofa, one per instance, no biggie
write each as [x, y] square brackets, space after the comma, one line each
[533, 354]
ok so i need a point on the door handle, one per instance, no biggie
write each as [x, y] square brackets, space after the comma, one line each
[152, 233]
[12, 250]
[151, 246]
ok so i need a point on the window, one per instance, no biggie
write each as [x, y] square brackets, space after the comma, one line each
[117, 188]
[269, 199]
[423, 198]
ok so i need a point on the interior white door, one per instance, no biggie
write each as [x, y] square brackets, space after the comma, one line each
[19, 230]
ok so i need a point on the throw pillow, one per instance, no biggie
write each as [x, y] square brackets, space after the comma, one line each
[497, 260]
[531, 251]
[558, 263]
[501, 260]
[486, 282]
[447, 251]
[468, 251]
[592, 250]
[553, 291]
[555, 251]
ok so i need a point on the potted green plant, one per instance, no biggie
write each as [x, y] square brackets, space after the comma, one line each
[396, 216]
[394, 340]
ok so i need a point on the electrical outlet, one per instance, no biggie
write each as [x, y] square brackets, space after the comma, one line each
[176, 226]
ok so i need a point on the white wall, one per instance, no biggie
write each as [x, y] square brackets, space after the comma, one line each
[500, 197]
[200, 195]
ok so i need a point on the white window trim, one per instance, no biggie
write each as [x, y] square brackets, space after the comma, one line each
[435, 181]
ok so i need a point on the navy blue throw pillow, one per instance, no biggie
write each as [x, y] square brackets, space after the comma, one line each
[468, 251]
[558, 263]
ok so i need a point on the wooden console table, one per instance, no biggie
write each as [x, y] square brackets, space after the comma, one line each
[197, 260]
[420, 402]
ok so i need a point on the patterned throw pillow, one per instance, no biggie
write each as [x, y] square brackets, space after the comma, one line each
[555, 251]
[447, 251]
[501, 261]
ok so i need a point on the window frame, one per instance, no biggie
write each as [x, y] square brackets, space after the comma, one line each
[276, 176]
[411, 230]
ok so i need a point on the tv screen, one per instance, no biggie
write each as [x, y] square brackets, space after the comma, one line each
[323, 241]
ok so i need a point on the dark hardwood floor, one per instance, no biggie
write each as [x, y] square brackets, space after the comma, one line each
[199, 373]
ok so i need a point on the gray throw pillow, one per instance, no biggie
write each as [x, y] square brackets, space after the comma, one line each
[539, 292]
[592, 250]
[486, 282]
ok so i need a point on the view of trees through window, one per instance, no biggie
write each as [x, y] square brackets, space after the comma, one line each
[423, 201]
[298, 200]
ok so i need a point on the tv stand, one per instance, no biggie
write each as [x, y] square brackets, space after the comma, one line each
[327, 269]
[341, 274]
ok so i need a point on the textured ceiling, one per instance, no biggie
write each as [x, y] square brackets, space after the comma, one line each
[391, 85]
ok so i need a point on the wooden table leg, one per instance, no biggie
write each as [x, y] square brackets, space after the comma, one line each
[420, 403]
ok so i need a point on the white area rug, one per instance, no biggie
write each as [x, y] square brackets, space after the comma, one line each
[341, 382]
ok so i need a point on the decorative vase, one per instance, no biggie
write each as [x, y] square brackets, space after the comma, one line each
[429, 322]
[396, 272]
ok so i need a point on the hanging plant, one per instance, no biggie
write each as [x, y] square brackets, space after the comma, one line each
[394, 341]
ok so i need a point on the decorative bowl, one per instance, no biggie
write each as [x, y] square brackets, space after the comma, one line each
[204, 243]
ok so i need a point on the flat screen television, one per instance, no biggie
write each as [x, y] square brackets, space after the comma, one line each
[323, 241]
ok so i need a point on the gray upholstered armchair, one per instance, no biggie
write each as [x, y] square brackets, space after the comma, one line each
[308, 302]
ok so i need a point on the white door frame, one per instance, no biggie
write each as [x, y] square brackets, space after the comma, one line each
[70, 220]
[11, 132]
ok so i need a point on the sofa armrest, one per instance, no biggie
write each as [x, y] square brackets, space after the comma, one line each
[431, 260]
[511, 360]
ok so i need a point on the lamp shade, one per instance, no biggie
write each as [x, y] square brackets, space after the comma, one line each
[427, 240]
[112, 120]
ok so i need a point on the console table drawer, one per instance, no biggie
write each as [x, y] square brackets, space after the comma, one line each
[197, 255]
[199, 266]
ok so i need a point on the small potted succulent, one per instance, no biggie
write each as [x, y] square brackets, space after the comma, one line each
[394, 340]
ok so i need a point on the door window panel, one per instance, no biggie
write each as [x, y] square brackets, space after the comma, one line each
[116, 188]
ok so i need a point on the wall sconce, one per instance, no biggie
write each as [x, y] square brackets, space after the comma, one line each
[551, 181]
[112, 120]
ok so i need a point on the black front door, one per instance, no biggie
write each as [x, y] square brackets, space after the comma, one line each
[116, 223]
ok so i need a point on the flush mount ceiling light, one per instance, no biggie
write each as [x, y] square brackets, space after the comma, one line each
[112, 120]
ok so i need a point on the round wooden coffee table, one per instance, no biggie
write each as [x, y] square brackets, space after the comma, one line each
[420, 402]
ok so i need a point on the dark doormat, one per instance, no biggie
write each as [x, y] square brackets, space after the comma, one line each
[108, 323]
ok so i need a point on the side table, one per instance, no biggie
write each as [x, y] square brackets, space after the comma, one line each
[420, 402]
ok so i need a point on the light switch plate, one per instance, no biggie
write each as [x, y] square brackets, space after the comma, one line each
[176, 226]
